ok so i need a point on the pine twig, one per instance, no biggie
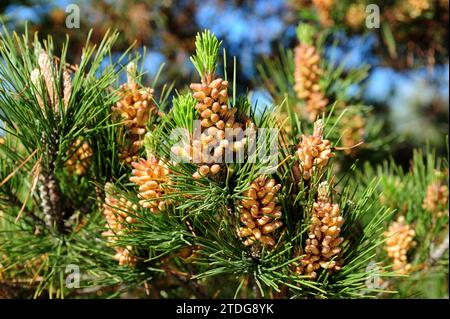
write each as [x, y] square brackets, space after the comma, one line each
[187, 282]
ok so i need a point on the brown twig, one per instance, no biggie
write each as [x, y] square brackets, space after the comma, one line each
[187, 281]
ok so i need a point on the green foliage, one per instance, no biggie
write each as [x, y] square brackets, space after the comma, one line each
[204, 216]
[305, 33]
[405, 192]
[40, 129]
[205, 58]
[340, 85]
[190, 246]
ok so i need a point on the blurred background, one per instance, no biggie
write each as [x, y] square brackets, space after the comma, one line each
[408, 53]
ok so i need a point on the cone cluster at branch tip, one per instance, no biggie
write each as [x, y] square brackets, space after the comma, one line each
[216, 117]
[117, 211]
[150, 175]
[322, 247]
[80, 157]
[307, 75]
[313, 151]
[436, 199]
[399, 240]
[260, 213]
[133, 111]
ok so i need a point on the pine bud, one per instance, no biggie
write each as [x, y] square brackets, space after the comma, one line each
[67, 92]
[36, 80]
[46, 67]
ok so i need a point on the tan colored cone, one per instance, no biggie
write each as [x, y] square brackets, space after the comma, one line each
[436, 199]
[322, 247]
[118, 213]
[80, 157]
[307, 76]
[150, 175]
[133, 112]
[260, 215]
[216, 117]
[399, 240]
[313, 151]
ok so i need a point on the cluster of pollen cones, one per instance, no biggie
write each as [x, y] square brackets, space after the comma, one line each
[118, 213]
[313, 151]
[260, 212]
[218, 123]
[133, 112]
[80, 157]
[151, 175]
[322, 247]
[436, 199]
[307, 76]
[399, 240]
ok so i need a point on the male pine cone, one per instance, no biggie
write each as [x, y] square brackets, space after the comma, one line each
[260, 213]
[323, 243]
[307, 76]
[216, 117]
[436, 199]
[80, 157]
[399, 240]
[133, 110]
[150, 175]
[118, 214]
[313, 151]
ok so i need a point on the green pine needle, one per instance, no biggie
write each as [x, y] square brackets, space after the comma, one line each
[205, 58]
